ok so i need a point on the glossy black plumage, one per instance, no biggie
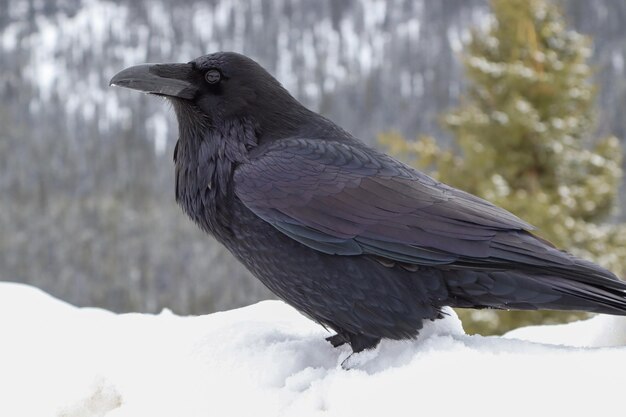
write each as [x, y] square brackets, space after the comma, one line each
[356, 240]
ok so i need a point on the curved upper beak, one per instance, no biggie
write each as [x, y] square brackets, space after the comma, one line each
[172, 80]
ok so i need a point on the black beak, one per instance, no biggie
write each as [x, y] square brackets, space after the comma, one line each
[171, 80]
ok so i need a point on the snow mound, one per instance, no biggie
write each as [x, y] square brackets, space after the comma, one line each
[268, 360]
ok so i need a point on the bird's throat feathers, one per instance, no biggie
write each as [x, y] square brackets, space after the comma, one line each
[206, 155]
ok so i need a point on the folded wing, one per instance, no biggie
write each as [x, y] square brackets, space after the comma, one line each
[347, 199]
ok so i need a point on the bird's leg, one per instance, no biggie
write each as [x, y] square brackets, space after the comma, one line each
[337, 340]
[360, 342]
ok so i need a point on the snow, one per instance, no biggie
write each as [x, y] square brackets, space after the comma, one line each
[268, 360]
[598, 331]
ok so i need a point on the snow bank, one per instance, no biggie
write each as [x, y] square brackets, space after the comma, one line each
[268, 360]
[599, 331]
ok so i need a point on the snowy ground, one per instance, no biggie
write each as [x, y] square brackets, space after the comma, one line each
[267, 360]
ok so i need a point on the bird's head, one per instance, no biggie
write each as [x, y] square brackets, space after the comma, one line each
[219, 86]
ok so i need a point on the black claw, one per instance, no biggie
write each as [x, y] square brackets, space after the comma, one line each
[344, 364]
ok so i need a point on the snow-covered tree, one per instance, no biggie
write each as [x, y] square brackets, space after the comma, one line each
[524, 141]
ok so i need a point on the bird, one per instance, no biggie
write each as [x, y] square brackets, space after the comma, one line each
[361, 243]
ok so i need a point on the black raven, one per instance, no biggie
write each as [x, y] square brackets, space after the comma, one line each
[356, 240]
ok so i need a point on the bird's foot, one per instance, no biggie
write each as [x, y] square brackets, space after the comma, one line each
[359, 359]
[360, 342]
[363, 350]
[337, 340]
[357, 342]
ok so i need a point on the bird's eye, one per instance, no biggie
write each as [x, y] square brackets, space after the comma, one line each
[212, 76]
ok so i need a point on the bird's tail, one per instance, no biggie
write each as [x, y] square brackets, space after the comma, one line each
[582, 286]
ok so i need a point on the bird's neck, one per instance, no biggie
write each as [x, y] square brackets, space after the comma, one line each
[206, 156]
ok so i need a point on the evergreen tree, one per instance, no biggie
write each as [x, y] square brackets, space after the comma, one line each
[522, 136]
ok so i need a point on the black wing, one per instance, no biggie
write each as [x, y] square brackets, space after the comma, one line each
[347, 199]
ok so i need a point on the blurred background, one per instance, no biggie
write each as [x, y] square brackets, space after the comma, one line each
[519, 101]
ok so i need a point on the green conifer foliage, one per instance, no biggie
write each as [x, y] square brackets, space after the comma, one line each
[523, 140]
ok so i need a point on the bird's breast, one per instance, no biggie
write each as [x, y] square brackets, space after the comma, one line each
[205, 159]
[204, 192]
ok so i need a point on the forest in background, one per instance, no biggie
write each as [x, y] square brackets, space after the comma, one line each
[86, 178]
[524, 139]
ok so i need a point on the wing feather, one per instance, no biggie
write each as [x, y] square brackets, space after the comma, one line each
[347, 199]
